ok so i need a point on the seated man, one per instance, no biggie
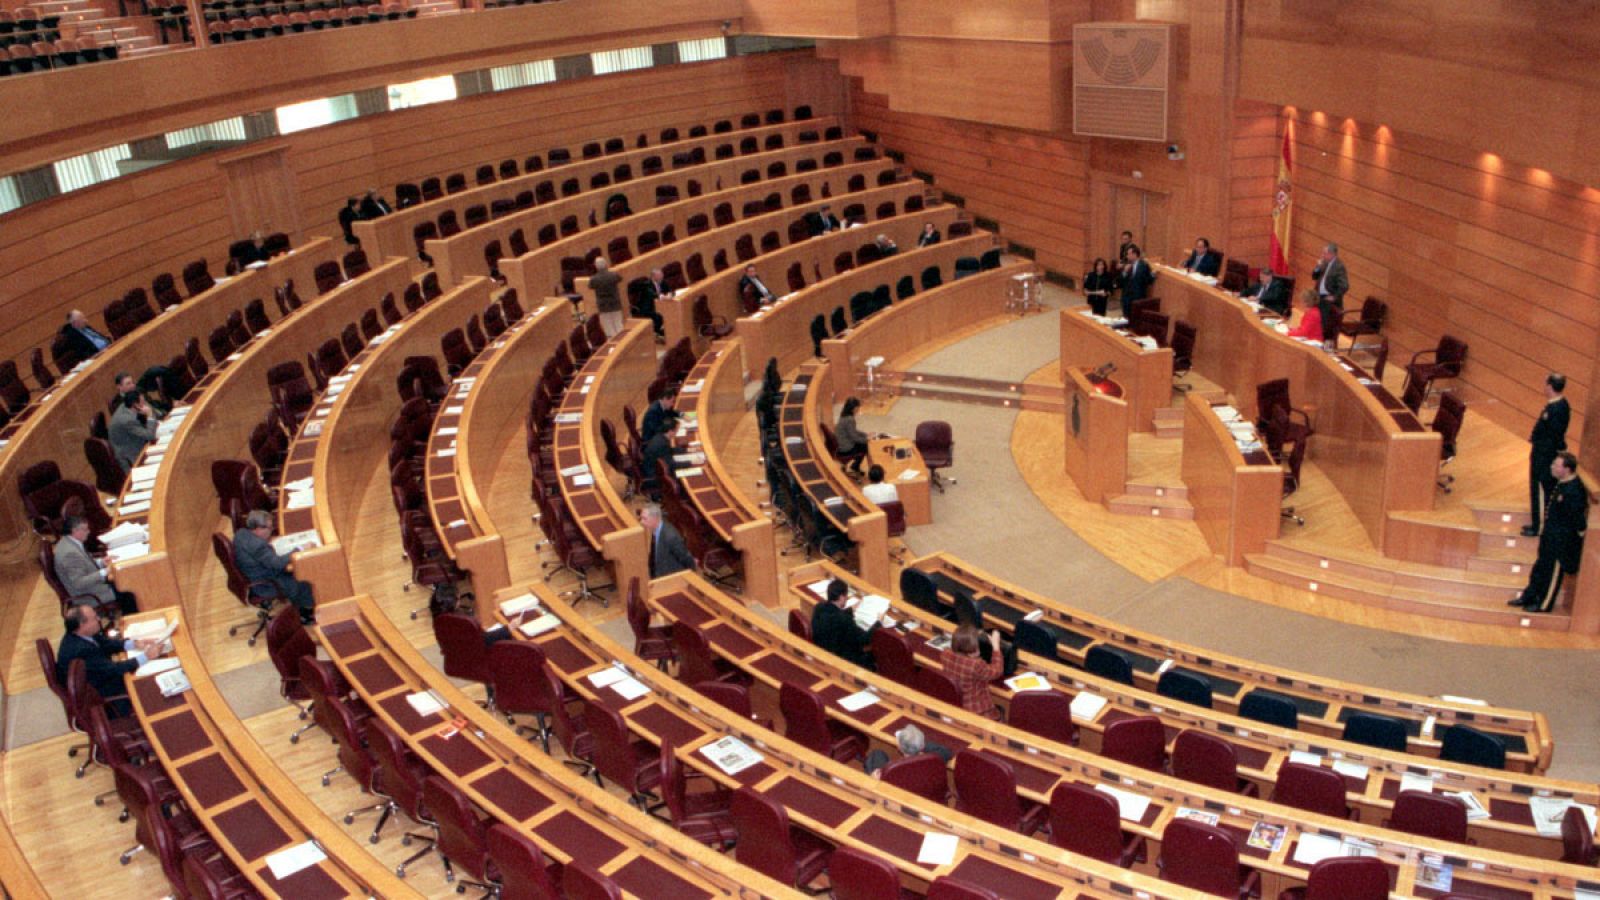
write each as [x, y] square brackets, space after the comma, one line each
[876, 490]
[82, 338]
[911, 741]
[886, 246]
[1272, 293]
[257, 561]
[133, 428]
[753, 282]
[80, 574]
[660, 417]
[644, 306]
[1203, 260]
[84, 641]
[929, 235]
[823, 221]
[834, 628]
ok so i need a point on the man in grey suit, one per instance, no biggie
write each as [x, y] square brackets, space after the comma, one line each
[78, 571]
[257, 561]
[667, 551]
[133, 427]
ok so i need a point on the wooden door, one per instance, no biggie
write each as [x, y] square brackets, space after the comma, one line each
[261, 192]
[1142, 212]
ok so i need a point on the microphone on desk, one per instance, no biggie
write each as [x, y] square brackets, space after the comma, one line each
[1102, 373]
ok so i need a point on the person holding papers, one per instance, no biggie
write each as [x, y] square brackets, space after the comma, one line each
[970, 673]
[1097, 285]
[835, 629]
[84, 641]
[80, 573]
[258, 562]
[133, 427]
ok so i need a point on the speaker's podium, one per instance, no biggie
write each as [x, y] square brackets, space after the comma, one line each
[1097, 423]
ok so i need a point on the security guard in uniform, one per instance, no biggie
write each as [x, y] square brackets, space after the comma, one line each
[1566, 518]
[1549, 438]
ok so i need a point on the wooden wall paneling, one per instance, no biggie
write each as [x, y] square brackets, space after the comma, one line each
[1010, 20]
[818, 18]
[261, 192]
[1256, 146]
[1018, 84]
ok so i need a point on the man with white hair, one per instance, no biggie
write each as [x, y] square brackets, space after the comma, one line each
[265, 567]
[607, 297]
[911, 742]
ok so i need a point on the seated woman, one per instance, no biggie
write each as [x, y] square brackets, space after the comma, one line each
[1310, 326]
[1097, 285]
[852, 442]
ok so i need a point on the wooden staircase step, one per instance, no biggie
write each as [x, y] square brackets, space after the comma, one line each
[1455, 582]
[1500, 519]
[1489, 541]
[1151, 506]
[1147, 489]
[1513, 566]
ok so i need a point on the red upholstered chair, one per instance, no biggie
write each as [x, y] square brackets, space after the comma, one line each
[799, 625]
[1140, 741]
[857, 875]
[1047, 714]
[936, 444]
[287, 642]
[806, 723]
[1430, 815]
[583, 882]
[1204, 758]
[461, 834]
[402, 776]
[571, 730]
[696, 662]
[632, 764]
[524, 872]
[1344, 878]
[702, 815]
[1206, 858]
[1577, 841]
[244, 590]
[1311, 788]
[512, 673]
[1086, 822]
[650, 643]
[769, 845]
[936, 684]
[465, 655]
[923, 774]
[732, 696]
[986, 787]
[893, 657]
[947, 887]
[359, 762]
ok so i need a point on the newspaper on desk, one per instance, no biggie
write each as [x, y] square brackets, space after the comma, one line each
[869, 609]
[1549, 811]
[301, 856]
[730, 754]
[286, 544]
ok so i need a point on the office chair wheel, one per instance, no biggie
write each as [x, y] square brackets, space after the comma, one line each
[294, 738]
[123, 816]
[400, 871]
[461, 889]
[349, 818]
[251, 642]
[372, 839]
[72, 751]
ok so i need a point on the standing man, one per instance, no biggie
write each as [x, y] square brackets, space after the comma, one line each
[607, 299]
[1136, 280]
[1123, 247]
[84, 641]
[80, 573]
[257, 561]
[1201, 259]
[667, 551]
[1566, 518]
[1549, 438]
[1332, 284]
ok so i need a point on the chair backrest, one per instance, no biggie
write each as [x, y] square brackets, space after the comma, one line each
[47, 665]
[1451, 354]
[461, 642]
[729, 695]
[614, 753]
[1047, 714]
[1204, 758]
[580, 881]
[764, 841]
[1430, 815]
[1311, 788]
[986, 787]
[460, 829]
[893, 657]
[1031, 637]
[1185, 686]
[805, 719]
[938, 685]
[1108, 662]
[948, 887]
[1270, 708]
[509, 665]
[934, 440]
[1348, 878]
[287, 642]
[1200, 856]
[923, 774]
[1140, 741]
[856, 875]
[1577, 840]
[1373, 730]
[1464, 744]
[524, 874]
[1085, 821]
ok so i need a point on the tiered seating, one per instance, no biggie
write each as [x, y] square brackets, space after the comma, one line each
[243, 20]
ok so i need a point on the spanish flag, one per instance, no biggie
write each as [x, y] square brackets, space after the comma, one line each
[1282, 207]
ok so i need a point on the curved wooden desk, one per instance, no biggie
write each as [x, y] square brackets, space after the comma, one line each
[506, 777]
[17, 878]
[1146, 374]
[1236, 497]
[1323, 703]
[183, 509]
[783, 329]
[1372, 777]
[814, 255]
[837, 801]
[770, 655]
[334, 446]
[713, 394]
[246, 803]
[615, 376]
[839, 500]
[391, 235]
[485, 409]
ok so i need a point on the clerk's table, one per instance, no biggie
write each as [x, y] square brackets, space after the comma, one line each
[904, 468]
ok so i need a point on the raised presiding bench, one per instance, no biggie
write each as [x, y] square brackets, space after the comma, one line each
[1322, 705]
[241, 797]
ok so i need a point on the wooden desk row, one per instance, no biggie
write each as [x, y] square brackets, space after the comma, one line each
[183, 509]
[783, 330]
[510, 780]
[770, 655]
[482, 412]
[1322, 703]
[59, 422]
[462, 254]
[713, 396]
[539, 273]
[246, 803]
[1373, 778]
[391, 235]
[836, 801]
[334, 446]
[721, 289]
[1236, 496]
[839, 500]
[616, 375]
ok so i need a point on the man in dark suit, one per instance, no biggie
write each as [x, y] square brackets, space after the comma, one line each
[81, 337]
[257, 561]
[374, 206]
[655, 288]
[84, 641]
[1548, 439]
[80, 574]
[823, 221]
[834, 628]
[753, 281]
[1566, 518]
[1136, 280]
[348, 216]
[1272, 293]
[1332, 281]
[1203, 259]
[667, 551]
[1124, 246]
[660, 417]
